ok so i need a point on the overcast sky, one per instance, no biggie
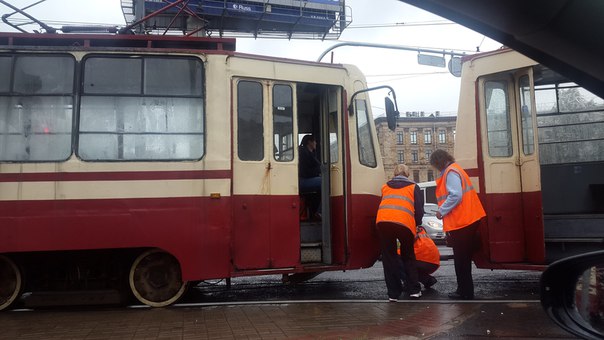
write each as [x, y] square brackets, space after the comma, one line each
[418, 88]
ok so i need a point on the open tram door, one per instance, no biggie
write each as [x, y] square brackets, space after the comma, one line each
[511, 168]
[269, 119]
[319, 114]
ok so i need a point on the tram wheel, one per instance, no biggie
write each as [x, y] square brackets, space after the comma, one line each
[155, 279]
[10, 282]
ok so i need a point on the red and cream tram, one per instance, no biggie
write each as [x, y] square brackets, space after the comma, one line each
[146, 163]
[533, 143]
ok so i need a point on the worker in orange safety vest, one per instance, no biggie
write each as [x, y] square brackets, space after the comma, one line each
[427, 258]
[461, 211]
[400, 212]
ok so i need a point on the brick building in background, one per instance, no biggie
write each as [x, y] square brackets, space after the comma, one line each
[416, 136]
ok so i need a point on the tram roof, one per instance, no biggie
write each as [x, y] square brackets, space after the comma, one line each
[83, 41]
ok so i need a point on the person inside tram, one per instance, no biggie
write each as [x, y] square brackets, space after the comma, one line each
[309, 173]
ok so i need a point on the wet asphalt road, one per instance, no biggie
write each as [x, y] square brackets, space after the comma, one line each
[506, 306]
[366, 284]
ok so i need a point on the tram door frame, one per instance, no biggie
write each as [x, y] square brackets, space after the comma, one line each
[265, 190]
[326, 109]
[333, 172]
[511, 179]
[530, 168]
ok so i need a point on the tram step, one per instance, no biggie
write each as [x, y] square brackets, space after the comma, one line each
[310, 232]
[311, 253]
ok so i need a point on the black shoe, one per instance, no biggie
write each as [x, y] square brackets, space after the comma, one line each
[457, 296]
[431, 282]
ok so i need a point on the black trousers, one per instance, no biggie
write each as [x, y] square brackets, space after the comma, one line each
[388, 234]
[424, 269]
[462, 241]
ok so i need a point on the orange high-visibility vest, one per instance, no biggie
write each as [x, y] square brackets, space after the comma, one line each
[469, 210]
[425, 249]
[398, 206]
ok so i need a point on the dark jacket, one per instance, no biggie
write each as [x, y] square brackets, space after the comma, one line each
[309, 165]
[399, 182]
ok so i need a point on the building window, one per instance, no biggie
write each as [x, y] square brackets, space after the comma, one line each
[416, 176]
[401, 156]
[399, 138]
[442, 136]
[430, 175]
[414, 156]
[428, 153]
[413, 137]
[427, 137]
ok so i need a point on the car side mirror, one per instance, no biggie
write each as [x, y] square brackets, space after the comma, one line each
[391, 113]
[572, 294]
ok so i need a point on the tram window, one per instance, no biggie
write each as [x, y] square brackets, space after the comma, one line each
[333, 126]
[283, 123]
[526, 122]
[178, 77]
[113, 75]
[123, 119]
[44, 75]
[365, 143]
[570, 123]
[5, 70]
[250, 129]
[498, 119]
[37, 124]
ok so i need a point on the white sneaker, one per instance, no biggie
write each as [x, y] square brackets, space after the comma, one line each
[416, 295]
[392, 300]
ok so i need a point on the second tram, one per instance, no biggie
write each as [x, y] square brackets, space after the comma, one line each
[533, 143]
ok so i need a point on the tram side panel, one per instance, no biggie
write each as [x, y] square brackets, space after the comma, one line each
[180, 207]
[367, 178]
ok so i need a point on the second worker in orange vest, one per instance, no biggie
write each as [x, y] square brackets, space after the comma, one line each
[460, 209]
[427, 258]
[401, 211]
